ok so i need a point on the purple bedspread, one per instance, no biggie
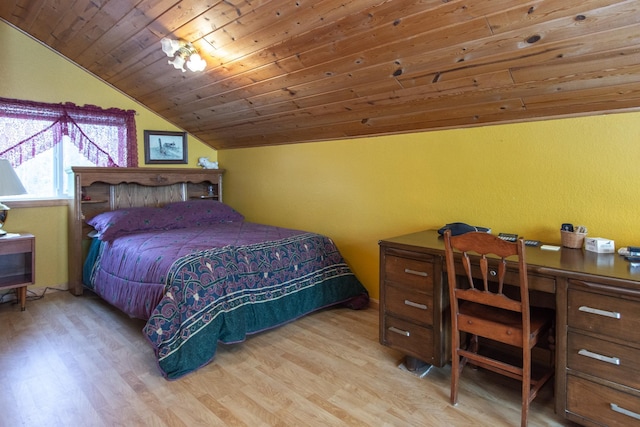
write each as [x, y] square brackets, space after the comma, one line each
[135, 281]
[200, 286]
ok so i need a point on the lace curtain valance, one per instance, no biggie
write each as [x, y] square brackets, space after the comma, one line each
[106, 137]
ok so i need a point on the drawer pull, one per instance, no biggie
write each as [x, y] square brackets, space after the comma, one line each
[416, 272]
[612, 314]
[415, 304]
[399, 331]
[628, 413]
[587, 353]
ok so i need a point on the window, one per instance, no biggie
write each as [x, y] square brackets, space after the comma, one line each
[42, 141]
[53, 178]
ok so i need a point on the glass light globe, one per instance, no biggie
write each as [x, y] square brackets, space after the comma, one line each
[170, 47]
[178, 63]
[196, 63]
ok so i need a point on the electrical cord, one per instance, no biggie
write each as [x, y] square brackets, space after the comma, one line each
[31, 295]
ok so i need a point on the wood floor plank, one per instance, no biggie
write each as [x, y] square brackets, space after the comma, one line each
[77, 361]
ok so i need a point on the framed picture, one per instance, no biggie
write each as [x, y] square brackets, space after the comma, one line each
[162, 147]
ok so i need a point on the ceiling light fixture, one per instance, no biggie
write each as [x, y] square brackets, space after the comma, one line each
[183, 53]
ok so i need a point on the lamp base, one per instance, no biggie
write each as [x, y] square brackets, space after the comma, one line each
[2, 232]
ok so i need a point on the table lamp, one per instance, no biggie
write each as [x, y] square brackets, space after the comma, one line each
[10, 185]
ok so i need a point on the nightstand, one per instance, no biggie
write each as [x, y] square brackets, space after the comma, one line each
[17, 264]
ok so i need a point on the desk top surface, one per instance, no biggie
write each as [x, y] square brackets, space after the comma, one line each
[576, 263]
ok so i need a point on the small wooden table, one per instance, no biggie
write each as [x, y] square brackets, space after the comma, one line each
[17, 264]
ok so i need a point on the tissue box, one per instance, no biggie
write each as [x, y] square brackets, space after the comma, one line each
[599, 245]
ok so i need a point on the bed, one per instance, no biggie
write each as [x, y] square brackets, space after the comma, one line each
[199, 274]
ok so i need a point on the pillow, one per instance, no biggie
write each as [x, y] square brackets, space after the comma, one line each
[113, 223]
[200, 212]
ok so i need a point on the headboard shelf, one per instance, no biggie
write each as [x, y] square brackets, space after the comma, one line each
[98, 189]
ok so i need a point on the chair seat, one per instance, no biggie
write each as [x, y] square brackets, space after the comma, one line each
[502, 325]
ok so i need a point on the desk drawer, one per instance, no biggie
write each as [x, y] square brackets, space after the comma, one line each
[539, 283]
[607, 315]
[410, 304]
[409, 338]
[603, 359]
[408, 272]
[602, 404]
[16, 245]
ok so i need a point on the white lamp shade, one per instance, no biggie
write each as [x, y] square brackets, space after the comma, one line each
[170, 47]
[10, 184]
[178, 63]
[196, 63]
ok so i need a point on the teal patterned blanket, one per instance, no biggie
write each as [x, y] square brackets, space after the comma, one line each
[224, 294]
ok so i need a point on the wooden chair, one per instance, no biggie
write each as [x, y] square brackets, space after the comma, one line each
[480, 308]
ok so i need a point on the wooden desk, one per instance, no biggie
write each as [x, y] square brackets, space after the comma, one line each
[597, 300]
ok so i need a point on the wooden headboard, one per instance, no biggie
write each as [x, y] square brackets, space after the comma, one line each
[99, 190]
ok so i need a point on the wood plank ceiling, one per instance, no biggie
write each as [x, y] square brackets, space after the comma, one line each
[284, 71]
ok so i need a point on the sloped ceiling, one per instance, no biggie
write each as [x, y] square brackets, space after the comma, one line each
[285, 71]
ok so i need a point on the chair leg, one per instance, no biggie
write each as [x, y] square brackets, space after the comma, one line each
[474, 347]
[525, 402]
[457, 365]
[552, 345]
[475, 344]
[455, 376]
[526, 387]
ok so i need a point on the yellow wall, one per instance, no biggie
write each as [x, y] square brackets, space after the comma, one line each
[32, 72]
[517, 178]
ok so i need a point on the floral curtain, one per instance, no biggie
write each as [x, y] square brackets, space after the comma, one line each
[106, 137]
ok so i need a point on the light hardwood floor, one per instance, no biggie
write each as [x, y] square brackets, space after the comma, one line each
[75, 361]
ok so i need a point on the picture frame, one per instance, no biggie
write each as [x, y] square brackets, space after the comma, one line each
[164, 147]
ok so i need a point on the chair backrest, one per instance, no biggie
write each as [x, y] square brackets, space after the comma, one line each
[480, 254]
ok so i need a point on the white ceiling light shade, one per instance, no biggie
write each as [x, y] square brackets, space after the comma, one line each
[196, 63]
[170, 47]
[183, 53]
[178, 62]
